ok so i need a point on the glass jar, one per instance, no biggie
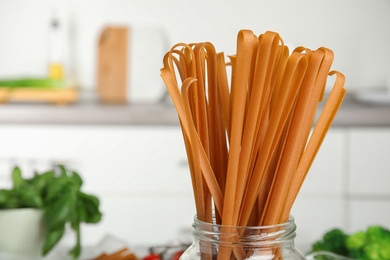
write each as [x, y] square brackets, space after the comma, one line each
[217, 242]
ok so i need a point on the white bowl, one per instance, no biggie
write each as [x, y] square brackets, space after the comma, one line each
[22, 231]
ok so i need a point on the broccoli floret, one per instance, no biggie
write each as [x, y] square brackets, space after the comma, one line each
[355, 244]
[333, 241]
[373, 244]
[377, 233]
[372, 251]
[336, 240]
[356, 241]
[385, 248]
[357, 254]
[377, 245]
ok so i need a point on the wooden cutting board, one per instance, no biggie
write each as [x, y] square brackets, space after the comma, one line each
[112, 65]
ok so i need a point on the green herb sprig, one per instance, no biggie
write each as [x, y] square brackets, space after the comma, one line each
[58, 193]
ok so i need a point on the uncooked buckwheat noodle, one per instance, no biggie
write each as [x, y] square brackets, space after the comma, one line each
[249, 145]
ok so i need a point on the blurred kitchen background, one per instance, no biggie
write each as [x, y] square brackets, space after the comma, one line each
[131, 155]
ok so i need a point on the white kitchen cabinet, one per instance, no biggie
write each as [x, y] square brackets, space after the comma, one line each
[112, 159]
[327, 174]
[314, 215]
[369, 172]
[366, 212]
[139, 173]
[320, 205]
[369, 178]
[348, 186]
[143, 220]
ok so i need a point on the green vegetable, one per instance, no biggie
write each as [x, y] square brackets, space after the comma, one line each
[58, 193]
[377, 245]
[17, 178]
[333, 241]
[44, 83]
[356, 240]
[372, 244]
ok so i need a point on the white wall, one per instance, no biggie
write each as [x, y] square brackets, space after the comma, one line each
[356, 30]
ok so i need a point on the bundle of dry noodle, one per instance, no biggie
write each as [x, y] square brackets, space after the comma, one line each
[249, 145]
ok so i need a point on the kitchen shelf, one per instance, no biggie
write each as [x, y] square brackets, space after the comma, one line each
[88, 111]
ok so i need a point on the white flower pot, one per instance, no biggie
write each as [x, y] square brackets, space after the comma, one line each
[21, 232]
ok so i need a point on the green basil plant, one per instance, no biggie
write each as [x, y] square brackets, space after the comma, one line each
[58, 193]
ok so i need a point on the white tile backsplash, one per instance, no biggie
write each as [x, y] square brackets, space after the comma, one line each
[326, 174]
[145, 220]
[367, 212]
[314, 216]
[369, 161]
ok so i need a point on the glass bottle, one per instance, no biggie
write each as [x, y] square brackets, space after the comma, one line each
[216, 242]
[56, 38]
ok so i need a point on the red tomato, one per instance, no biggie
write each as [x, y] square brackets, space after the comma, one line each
[177, 255]
[152, 257]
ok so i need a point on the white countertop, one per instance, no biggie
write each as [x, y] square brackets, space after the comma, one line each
[88, 111]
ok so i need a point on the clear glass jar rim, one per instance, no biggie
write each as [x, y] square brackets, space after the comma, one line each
[252, 236]
[290, 221]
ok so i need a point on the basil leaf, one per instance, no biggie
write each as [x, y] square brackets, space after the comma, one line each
[52, 238]
[91, 206]
[30, 197]
[75, 252]
[59, 212]
[17, 178]
[77, 179]
[8, 199]
[42, 181]
[64, 172]
[91, 198]
[56, 187]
